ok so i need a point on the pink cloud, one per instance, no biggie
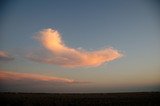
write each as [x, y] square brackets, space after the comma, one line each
[4, 56]
[29, 82]
[15, 76]
[70, 57]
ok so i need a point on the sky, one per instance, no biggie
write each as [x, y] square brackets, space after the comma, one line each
[79, 46]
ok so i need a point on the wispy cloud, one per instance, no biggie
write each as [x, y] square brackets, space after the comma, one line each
[15, 76]
[29, 82]
[5, 56]
[69, 57]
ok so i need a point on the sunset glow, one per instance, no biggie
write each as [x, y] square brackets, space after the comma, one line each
[79, 46]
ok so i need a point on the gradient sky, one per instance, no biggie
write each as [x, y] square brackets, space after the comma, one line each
[130, 27]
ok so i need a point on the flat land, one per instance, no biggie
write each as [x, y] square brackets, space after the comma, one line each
[91, 99]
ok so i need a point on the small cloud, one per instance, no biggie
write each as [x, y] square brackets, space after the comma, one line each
[4, 56]
[70, 57]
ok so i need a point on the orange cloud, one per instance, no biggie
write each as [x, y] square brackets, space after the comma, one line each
[12, 76]
[69, 57]
[4, 56]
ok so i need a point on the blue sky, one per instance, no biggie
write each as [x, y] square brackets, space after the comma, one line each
[132, 27]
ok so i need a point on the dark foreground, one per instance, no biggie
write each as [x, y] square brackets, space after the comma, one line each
[97, 99]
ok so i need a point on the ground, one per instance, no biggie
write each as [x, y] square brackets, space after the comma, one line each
[92, 99]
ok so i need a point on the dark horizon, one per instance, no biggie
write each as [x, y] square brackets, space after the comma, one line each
[112, 99]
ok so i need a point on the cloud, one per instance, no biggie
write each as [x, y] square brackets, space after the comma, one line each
[7, 75]
[27, 82]
[69, 57]
[4, 56]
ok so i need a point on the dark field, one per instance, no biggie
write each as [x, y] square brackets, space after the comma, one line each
[95, 99]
